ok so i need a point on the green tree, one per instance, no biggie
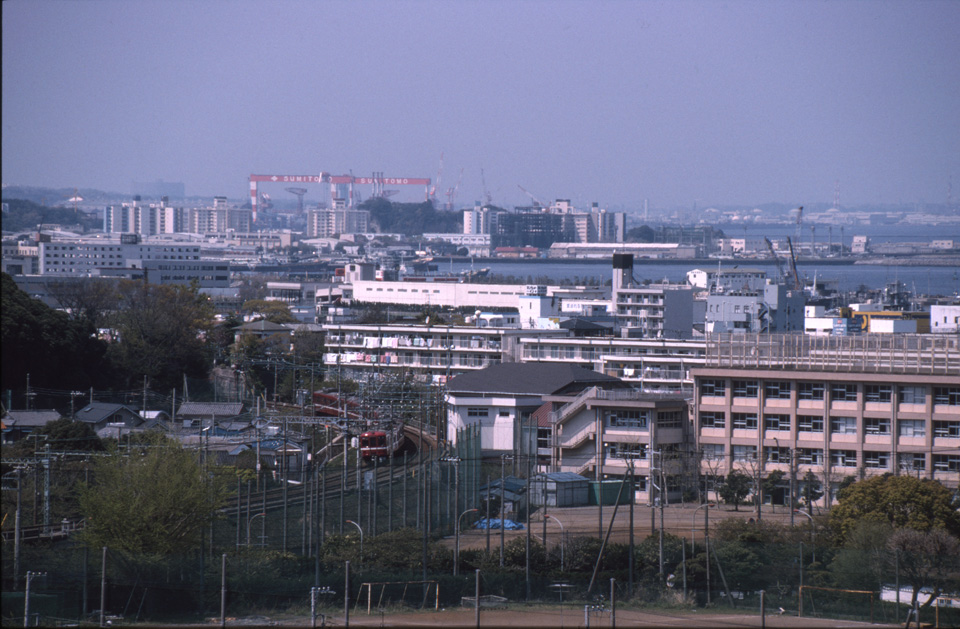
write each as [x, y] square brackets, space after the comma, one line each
[163, 334]
[736, 486]
[154, 502]
[69, 434]
[45, 343]
[771, 484]
[812, 490]
[273, 311]
[926, 559]
[901, 501]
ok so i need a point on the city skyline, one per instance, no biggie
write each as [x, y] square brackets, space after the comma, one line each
[682, 104]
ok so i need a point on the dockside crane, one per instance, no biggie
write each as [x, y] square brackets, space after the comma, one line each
[797, 285]
[773, 254]
[536, 201]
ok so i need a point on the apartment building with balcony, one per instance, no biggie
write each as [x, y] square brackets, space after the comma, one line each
[609, 433]
[436, 352]
[652, 365]
[834, 406]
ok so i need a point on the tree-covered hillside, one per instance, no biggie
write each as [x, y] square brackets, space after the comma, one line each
[411, 218]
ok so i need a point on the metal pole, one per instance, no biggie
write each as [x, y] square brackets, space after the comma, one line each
[763, 609]
[346, 594]
[613, 603]
[223, 590]
[476, 594]
[503, 460]
[683, 555]
[103, 586]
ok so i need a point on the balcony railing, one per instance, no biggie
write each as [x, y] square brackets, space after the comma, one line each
[923, 354]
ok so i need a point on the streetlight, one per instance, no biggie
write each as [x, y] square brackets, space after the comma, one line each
[249, 520]
[361, 538]
[456, 560]
[809, 517]
[562, 535]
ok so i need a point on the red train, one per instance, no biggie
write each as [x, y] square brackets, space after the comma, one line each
[381, 442]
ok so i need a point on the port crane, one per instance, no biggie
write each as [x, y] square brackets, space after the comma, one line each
[797, 285]
[773, 254]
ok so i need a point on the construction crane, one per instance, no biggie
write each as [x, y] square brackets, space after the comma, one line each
[299, 192]
[487, 199]
[536, 201]
[797, 285]
[776, 259]
[432, 195]
[452, 192]
[799, 223]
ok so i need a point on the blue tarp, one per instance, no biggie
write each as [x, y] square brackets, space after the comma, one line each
[496, 523]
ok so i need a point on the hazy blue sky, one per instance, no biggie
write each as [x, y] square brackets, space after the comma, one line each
[719, 102]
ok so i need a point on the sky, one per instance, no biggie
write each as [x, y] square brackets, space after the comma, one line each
[681, 104]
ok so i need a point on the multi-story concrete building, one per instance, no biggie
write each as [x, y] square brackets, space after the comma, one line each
[652, 310]
[481, 220]
[834, 406]
[82, 257]
[723, 281]
[432, 351]
[326, 223]
[771, 308]
[609, 433]
[653, 365]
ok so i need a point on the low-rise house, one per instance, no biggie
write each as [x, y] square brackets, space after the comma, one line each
[17, 425]
[98, 415]
[205, 414]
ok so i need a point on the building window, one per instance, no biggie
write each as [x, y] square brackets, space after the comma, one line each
[746, 421]
[913, 461]
[477, 412]
[776, 422]
[810, 456]
[745, 388]
[713, 388]
[843, 458]
[946, 395]
[912, 395]
[878, 393]
[670, 419]
[843, 425]
[946, 429]
[744, 453]
[711, 419]
[627, 419]
[626, 451]
[776, 455]
[712, 451]
[809, 423]
[777, 389]
[913, 428]
[946, 462]
[876, 426]
[843, 392]
[810, 390]
[878, 460]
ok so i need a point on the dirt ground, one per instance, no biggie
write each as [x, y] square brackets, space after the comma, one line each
[571, 617]
[681, 520]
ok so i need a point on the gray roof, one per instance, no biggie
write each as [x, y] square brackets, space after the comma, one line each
[33, 418]
[262, 325]
[205, 410]
[528, 379]
[99, 411]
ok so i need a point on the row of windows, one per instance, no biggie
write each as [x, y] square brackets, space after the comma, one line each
[838, 425]
[838, 458]
[780, 389]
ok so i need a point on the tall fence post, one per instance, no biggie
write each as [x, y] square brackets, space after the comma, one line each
[103, 586]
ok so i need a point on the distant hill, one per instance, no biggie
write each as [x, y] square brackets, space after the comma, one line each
[25, 216]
